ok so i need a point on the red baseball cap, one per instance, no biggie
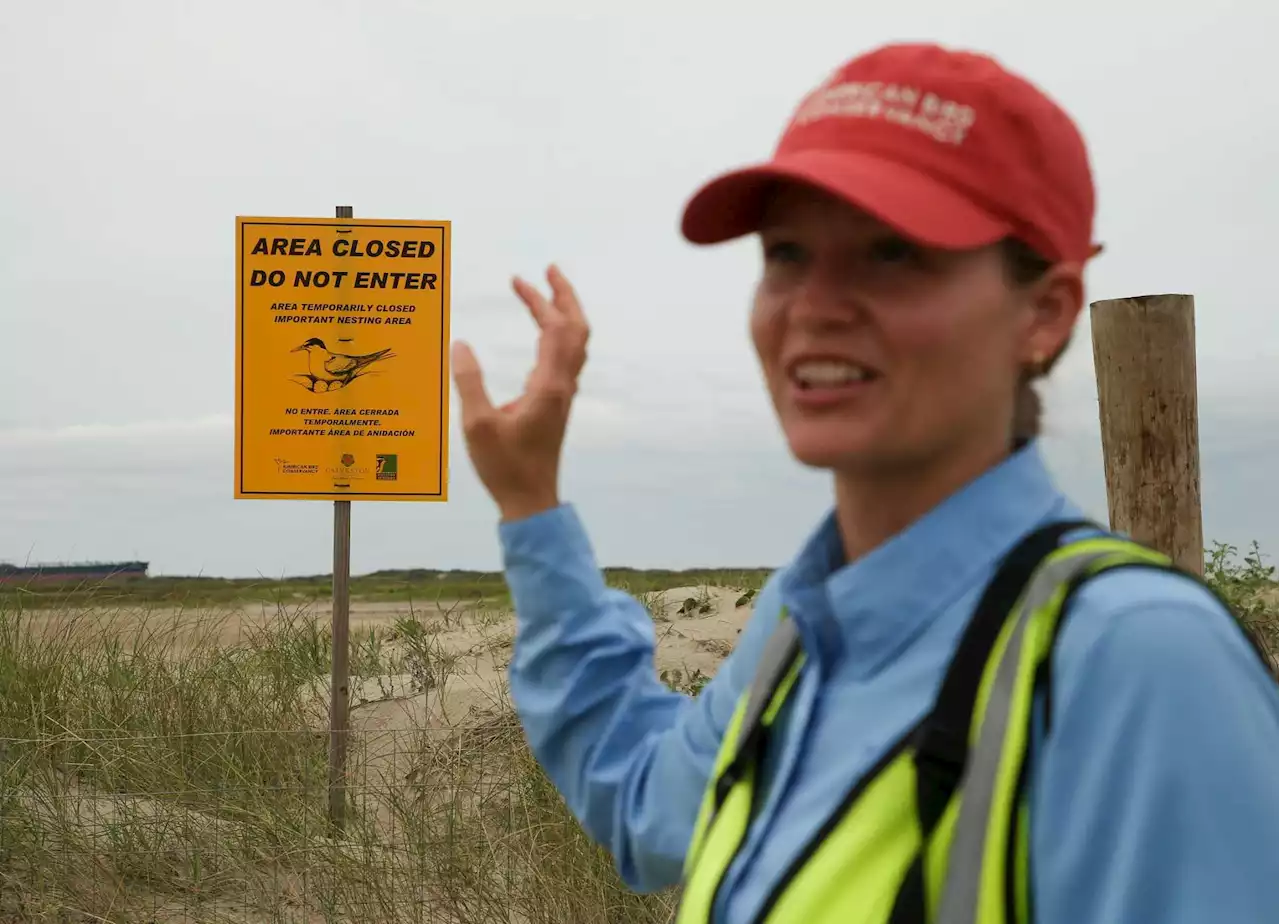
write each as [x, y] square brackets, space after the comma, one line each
[947, 147]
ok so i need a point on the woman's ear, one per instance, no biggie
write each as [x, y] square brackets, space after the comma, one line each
[1055, 299]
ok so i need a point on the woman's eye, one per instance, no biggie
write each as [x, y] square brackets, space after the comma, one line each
[894, 250]
[783, 252]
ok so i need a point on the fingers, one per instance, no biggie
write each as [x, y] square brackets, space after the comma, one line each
[544, 315]
[564, 304]
[564, 297]
[477, 410]
[562, 344]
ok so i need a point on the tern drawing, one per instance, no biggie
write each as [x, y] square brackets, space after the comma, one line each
[328, 371]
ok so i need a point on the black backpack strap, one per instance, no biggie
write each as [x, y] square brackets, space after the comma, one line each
[942, 741]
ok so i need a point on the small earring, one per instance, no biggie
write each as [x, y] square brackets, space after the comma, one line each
[1037, 362]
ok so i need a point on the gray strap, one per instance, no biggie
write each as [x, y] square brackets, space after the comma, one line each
[959, 904]
[779, 652]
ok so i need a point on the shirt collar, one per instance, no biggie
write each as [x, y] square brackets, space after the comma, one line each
[871, 609]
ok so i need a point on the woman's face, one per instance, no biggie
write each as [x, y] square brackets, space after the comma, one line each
[879, 353]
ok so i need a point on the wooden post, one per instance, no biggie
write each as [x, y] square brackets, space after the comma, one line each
[1144, 358]
[339, 681]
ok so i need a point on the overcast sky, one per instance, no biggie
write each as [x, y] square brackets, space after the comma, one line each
[135, 132]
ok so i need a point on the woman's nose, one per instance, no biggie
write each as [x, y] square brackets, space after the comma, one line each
[824, 298]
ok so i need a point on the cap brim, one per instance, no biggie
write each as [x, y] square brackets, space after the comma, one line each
[911, 202]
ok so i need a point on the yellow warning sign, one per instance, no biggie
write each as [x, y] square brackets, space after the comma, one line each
[342, 369]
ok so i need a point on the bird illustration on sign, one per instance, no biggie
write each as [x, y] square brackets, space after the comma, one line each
[329, 371]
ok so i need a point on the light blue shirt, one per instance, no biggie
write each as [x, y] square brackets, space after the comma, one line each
[1154, 799]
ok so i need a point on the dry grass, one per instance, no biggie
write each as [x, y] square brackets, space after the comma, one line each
[153, 771]
[149, 773]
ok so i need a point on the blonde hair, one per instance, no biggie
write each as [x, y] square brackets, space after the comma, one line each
[1027, 410]
[1025, 266]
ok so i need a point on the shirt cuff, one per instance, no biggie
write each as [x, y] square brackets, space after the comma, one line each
[550, 566]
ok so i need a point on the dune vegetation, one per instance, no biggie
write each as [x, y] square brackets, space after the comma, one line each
[163, 749]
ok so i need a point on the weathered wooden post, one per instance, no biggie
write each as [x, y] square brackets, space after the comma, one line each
[1144, 359]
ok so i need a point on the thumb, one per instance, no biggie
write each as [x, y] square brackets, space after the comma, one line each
[476, 406]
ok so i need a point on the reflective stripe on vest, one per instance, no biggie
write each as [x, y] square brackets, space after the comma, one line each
[856, 869]
[728, 799]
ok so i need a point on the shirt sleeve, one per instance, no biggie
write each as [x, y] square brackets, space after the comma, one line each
[1157, 796]
[630, 756]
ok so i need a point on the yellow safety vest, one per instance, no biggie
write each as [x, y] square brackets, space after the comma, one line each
[937, 831]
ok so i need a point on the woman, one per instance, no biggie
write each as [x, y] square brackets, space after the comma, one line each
[900, 734]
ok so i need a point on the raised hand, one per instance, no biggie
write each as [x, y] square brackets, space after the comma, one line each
[516, 448]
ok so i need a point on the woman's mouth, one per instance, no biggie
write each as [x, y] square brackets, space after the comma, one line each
[821, 383]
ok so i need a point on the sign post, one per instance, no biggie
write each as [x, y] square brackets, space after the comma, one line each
[342, 385]
[340, 671]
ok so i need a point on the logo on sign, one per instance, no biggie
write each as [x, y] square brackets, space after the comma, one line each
[285, 467]
[387, 467]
